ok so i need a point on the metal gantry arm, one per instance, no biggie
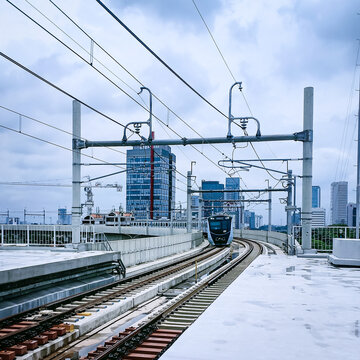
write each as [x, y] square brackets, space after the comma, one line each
[137, 124]
[243, 119]
[246, 166]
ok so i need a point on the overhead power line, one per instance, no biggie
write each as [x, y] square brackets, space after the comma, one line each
[72, 50]
[55, 144]
[213, 39]
[158, 57]
[58, 88]
[133, 76]
[232, 75]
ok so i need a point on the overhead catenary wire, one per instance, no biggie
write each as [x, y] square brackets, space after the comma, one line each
[144, 107]
[51, 126]
[128, 72]
[342, 158]
[55, 144]
[158, 57]
[213, 39]
[233, 77]
[64, 92]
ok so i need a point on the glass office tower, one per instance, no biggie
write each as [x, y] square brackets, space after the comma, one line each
[150, 182]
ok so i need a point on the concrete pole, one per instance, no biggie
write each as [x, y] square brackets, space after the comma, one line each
[289, 210]
[270, 209]
[76, 174]
[188, 203]
[306, 215]
[358, 174]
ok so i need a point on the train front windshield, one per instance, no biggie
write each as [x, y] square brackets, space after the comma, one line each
[219, 226]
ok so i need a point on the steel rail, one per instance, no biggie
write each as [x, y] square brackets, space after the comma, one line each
[138, 335]
[53, 319]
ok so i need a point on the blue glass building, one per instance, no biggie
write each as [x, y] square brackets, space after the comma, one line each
[213, 202]
[249, 218]
[233, 184]
[316, 197]
[146, 197]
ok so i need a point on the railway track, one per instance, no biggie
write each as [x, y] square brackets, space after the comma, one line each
[28, 330]
[150, 338]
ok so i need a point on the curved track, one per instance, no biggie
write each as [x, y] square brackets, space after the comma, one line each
[27, 330]
[152, 337]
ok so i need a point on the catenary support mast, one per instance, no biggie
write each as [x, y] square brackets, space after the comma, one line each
[76, 173]
[306, 214]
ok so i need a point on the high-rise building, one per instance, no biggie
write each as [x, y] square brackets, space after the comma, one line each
[212, 202]
[233, 206]
[63, 217]
[318, 217]
[316, 197]
[194, 205]
[258, 221]
[351, 214]
[150, 182]
[338, 202]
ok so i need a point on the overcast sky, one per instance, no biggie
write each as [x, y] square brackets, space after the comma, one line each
[276, 48]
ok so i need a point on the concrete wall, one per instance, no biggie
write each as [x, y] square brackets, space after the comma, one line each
[140, 230]
[271, 237]
[137, 251]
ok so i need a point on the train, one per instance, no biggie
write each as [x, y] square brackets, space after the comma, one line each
[220, 230]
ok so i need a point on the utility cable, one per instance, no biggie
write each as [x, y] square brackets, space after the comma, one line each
[128, 72]
[51, 126]
[58, 88]
[66, 93]
[232, 75]
[213, 39]
[158, 57]
[97, 71]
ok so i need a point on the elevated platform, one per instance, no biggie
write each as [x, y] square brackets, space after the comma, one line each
[280, 308]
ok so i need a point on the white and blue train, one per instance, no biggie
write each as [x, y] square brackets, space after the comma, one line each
[220, 230]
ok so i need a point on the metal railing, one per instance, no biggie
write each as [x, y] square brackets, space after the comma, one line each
[164, 224]
[44, 235]
[61, 235]
[322, 237]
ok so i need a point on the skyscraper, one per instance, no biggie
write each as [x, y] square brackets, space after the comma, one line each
[316, 197]
[233, 208]
[150, 182]
[213, 202]
[338, 202]
[351, 214]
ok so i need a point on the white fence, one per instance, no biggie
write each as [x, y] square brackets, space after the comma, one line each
[44, 235]
[165, 224]
[322, 237]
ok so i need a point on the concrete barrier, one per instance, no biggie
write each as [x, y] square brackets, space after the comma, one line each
[346, 252]
[271, 237]
[138, 251]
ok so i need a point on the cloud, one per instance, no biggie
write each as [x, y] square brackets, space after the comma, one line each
[275, 48]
